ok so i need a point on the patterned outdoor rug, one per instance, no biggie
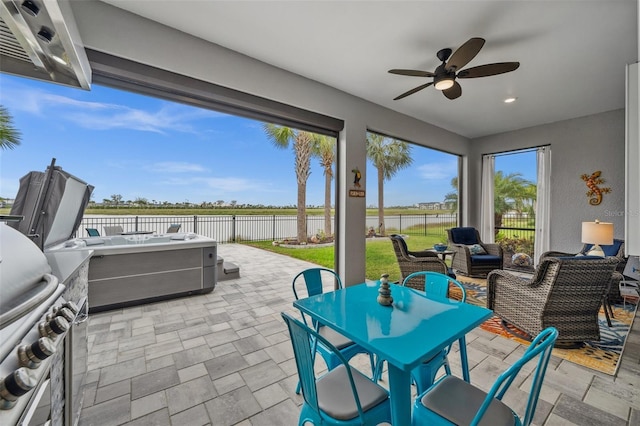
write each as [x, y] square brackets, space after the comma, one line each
[601, 356]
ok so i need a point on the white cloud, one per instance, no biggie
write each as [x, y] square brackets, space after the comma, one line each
[176, 167]
[100, 115]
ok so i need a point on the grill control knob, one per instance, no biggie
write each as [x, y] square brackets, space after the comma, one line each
[53, 328]
[66, 313]
[15, 385]
[72, 307]
[32, 355]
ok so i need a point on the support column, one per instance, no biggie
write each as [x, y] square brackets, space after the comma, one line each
[351, 211]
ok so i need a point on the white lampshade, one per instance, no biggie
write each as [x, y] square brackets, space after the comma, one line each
[597, 233]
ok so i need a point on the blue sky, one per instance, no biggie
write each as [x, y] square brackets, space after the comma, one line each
[138, 146]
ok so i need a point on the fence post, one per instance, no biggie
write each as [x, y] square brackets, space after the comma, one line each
[273, 233]
[400, 223]
[233, 228]
[135, 227]
[195, 224]
[425, 224]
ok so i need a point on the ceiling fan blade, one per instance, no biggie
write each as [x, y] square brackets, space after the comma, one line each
[454, 91]
[489, 70]
[464, 54]
[412, 91]
[412, 73]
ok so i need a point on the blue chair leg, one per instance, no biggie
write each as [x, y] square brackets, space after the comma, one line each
[425, 375]
[377, 369]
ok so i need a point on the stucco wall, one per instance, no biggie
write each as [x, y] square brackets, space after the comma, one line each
[579, 146]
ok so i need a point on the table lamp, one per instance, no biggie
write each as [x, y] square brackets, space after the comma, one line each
[597, 233]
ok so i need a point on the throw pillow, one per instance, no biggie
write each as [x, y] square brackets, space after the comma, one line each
[476, 249]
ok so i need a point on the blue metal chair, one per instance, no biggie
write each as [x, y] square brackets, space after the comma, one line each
[436, 287]
[92, 232]
[343, 396]
[452, 401]
[314, 285]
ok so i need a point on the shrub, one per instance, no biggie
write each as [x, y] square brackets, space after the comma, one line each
[516, 244]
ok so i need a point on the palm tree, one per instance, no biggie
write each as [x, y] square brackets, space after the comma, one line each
[324, 147]
[388, 156]
[452, 197]
[9, 135]
[510, 192]
[116, 199]
[302, 142]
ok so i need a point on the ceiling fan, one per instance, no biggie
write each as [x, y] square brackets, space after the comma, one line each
[444, 77]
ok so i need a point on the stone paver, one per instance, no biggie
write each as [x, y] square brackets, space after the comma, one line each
[224, 358]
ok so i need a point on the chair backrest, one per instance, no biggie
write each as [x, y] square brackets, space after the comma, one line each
[92, 232]
[312, 278]
[399, 245]
[437, 285]
[113, 230]
[402, 250]
[173, 228]
[464, 235]
[302, 340]
[580, 280]
[540, 347]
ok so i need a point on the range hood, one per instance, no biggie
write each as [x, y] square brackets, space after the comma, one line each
[39, 39]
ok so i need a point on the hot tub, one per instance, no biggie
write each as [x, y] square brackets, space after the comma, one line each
[124, 270]
[134, 269]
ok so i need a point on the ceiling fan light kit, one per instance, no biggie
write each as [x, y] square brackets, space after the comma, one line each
[444, 77]
[443, 82]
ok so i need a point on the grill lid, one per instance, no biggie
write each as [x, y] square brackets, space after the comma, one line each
[25, 277]
[52, 203]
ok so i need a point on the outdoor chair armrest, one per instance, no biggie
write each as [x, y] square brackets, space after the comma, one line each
[493, 249]
[508, 287]
[460, 248]
[423, 253]
[553, 253]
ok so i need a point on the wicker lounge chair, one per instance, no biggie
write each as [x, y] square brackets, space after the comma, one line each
[565, 292]
[416, 261]
[461, 240]
[614, 250]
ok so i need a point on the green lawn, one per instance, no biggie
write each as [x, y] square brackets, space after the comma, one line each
[380, 257]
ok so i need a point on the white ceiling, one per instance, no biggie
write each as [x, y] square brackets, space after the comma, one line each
[572, 54]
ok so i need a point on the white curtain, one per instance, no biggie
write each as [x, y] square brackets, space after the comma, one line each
[487, 216]
[543, 202]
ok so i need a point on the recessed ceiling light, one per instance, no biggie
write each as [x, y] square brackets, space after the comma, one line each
[510, 100]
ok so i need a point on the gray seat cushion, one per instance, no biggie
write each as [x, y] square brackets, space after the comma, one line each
[458, 401]
[335, 338]
[485, 259]
[336, 398]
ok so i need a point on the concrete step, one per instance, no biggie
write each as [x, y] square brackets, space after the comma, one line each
[227, 270]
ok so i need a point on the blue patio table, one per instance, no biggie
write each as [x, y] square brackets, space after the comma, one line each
[407, 333]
